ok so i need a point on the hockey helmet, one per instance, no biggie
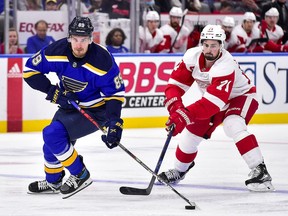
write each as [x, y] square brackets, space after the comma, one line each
[272, 12]
[213, 32]
[176, 11]
[152, 16]
[228, 21]
[249, 16]
[81, 26]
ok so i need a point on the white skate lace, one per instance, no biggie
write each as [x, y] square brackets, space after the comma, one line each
[72, 181]
[254, 172]
[173, 174]
[44, 185]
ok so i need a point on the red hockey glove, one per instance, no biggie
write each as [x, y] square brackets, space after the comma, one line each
[180, 119]
[173, 104]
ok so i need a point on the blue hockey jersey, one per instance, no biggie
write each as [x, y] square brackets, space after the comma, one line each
[95, 78]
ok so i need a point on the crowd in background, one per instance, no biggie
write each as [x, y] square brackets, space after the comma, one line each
[263, 28]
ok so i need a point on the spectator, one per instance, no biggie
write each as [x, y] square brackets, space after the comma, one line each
[145, 7]
[115, 40]
[13, 43]
[41, 39]
[51, 5]
[247, 5]
[29, 5]
[96, 6]
[197, 6]
[63, 6]
[227, 25]
[243, 33]
[117, 9]
[283, 15]
[273, 32]
[150, 35]
[175, 34]
[225, 8]
[165, 6]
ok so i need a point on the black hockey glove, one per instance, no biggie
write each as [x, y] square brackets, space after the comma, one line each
[114, 133]
[58, 96]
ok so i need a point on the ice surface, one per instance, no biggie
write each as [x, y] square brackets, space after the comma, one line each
[216, 183]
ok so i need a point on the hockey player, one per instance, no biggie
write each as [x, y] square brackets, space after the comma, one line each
[150, 35]
[243, 33]
[175, 35]
[273, 32]
[228, 97]
[227, 25]
[89, 76]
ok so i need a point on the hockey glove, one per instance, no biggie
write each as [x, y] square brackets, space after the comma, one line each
[180, 119]
[173, 104]
[114, 133]
[58, 96]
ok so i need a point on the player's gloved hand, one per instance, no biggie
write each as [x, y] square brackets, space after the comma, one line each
[61, 97]
[172, 104]
[114, 133]
[180, 119]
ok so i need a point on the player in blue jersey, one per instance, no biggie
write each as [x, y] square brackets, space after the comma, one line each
[88, 75]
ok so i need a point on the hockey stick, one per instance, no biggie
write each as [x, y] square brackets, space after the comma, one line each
[191, 205]
[147, 191]
[182, 23]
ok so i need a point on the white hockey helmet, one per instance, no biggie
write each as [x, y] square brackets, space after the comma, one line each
[213, 32]
[152, 16]
[249, 16]
[176, 11]
[228, 21]
[272, 12]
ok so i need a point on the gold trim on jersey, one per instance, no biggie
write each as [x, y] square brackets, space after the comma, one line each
[94, 69]
[30, 74]
[57, 58]
[52, 170]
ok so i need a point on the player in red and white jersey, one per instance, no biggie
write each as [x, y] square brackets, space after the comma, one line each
[228, 97]
[273, 32]
[172, 31]
[228, 23]
[243, 33]
[150, 35]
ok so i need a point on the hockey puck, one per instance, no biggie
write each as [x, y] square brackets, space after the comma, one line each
[189, 207]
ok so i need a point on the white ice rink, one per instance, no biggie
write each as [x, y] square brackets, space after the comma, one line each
[216, 183]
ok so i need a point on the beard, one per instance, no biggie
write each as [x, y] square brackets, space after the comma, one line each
[210, 57]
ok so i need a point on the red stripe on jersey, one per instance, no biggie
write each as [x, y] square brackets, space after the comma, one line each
[14, 97]
[184, 157]
[247, 144]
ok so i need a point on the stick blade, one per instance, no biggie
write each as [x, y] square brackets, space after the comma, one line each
[134, 191]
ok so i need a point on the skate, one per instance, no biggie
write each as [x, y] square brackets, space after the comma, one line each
[260, 180]
[76, 183]
[173, 176]
[45, 187]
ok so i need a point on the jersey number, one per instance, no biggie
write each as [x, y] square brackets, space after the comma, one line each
[118, 81]
[224, 85]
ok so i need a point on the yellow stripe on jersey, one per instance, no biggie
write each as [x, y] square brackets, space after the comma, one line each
[115, 98]
[29, 74]
[70, 159]
[94, 69]
[56, 58]
[53, 170]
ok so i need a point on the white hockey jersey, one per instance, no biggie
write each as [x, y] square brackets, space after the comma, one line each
[241, 39]
[170, 34]
[218, 84]
[149, 42]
